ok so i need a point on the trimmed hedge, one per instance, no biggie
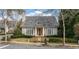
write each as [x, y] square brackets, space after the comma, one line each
[60, 40]
[21, 36]
[71, 41]
[56, 40]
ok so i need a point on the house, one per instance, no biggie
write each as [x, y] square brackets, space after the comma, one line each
[39, 26]
[1, 27]
[10, 26]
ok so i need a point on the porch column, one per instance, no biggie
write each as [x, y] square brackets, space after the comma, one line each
[35, 31]
[43, 32]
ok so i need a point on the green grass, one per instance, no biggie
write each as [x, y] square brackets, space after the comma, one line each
[51, 40]
[20, 39]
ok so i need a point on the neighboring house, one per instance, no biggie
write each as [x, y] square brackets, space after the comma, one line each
[1, 27]
[40, 26]
[10, 26]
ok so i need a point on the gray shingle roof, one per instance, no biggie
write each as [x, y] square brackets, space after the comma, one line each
[35, 21]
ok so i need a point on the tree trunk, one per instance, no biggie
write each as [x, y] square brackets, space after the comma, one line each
[63, 30]
[5, 31]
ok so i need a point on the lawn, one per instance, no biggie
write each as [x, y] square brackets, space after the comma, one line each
[20, 39]
[51, 40]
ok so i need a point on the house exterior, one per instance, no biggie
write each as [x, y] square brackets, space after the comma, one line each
[39, 26]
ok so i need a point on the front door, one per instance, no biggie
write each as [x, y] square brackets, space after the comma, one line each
[39, 31]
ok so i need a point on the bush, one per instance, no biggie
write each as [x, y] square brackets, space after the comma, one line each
[71, 41]
[18, 34]
[21, 36]
[55, 40]
[60, 40]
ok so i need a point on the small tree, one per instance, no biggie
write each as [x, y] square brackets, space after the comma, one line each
[17, 32]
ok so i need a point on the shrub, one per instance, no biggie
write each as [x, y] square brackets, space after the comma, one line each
[69, 40]
[55, 40]
[21, 36]
[60, 40]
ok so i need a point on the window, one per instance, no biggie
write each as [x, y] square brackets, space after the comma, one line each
[54, 31]
[49, 31]
[29, 31]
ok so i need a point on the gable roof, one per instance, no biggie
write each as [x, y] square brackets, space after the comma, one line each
[45, 21]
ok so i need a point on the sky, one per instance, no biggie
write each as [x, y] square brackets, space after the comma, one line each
[34, 12]
[37, 12]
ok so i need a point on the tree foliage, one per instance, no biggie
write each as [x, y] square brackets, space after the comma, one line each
[71, 18]
[9, 14]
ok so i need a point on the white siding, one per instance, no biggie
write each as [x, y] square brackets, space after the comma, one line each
[50, 31]
[33, 31]
[24, 31]
[28, 31]
[54, 31]
[45, 32]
